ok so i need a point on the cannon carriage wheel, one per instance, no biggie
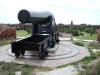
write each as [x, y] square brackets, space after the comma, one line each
[17, 54]
[43, 51]
[20, 52]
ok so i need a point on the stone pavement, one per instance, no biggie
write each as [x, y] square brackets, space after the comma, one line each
[82, 52]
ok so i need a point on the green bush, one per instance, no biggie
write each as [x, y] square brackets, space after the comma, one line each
[75, 32]
[81, 33]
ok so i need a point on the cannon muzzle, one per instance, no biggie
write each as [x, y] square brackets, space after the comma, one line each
[26, 16]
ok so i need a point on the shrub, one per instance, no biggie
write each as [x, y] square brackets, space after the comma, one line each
[81, 33]
[75, 32]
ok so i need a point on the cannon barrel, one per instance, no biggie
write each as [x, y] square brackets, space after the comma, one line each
[26, 16]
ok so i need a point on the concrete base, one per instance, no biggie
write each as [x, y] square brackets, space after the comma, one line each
[62, 50]
[64, 53]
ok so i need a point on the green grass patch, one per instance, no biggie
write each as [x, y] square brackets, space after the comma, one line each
[87, 36]
[92, 69]
[98, 54]
[28, 73]
[4, 42]
[13, 67]
[94, 45]
[21, 33]
[93, 55]
[79, 43]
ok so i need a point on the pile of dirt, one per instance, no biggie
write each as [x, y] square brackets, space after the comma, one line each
[7, 33]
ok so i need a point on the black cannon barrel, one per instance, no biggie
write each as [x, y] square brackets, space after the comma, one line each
[26, 16]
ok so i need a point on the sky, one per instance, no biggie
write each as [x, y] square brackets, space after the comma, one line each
[79, 11]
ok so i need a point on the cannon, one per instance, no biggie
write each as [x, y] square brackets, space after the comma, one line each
[44, 34]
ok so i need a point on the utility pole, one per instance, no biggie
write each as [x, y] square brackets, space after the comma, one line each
[71, 29]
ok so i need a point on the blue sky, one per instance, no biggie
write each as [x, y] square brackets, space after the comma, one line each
[80, 11]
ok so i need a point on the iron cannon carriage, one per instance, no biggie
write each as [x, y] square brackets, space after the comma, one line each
[44, 33]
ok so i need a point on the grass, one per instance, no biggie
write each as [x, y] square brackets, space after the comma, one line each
[14, 73]
[98, 54]
[28, 73]
[4, 42]
[21, 33]
[88, 69]
[92, 69]
[87, 36]
[94, 45]
[85, 60]
[25, 69]
[79, 43]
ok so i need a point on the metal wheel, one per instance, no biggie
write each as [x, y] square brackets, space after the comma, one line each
[46, 53]
[42, 56]
[42, 53]
[52, 44]
[22, 52]
[58, 41]
[17, 54]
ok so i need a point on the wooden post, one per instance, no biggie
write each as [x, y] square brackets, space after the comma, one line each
[98, 35]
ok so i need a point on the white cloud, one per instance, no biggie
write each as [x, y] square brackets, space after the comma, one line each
[80, 11]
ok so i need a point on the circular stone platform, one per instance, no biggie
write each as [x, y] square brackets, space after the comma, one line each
[63, 53]
[60, 51]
